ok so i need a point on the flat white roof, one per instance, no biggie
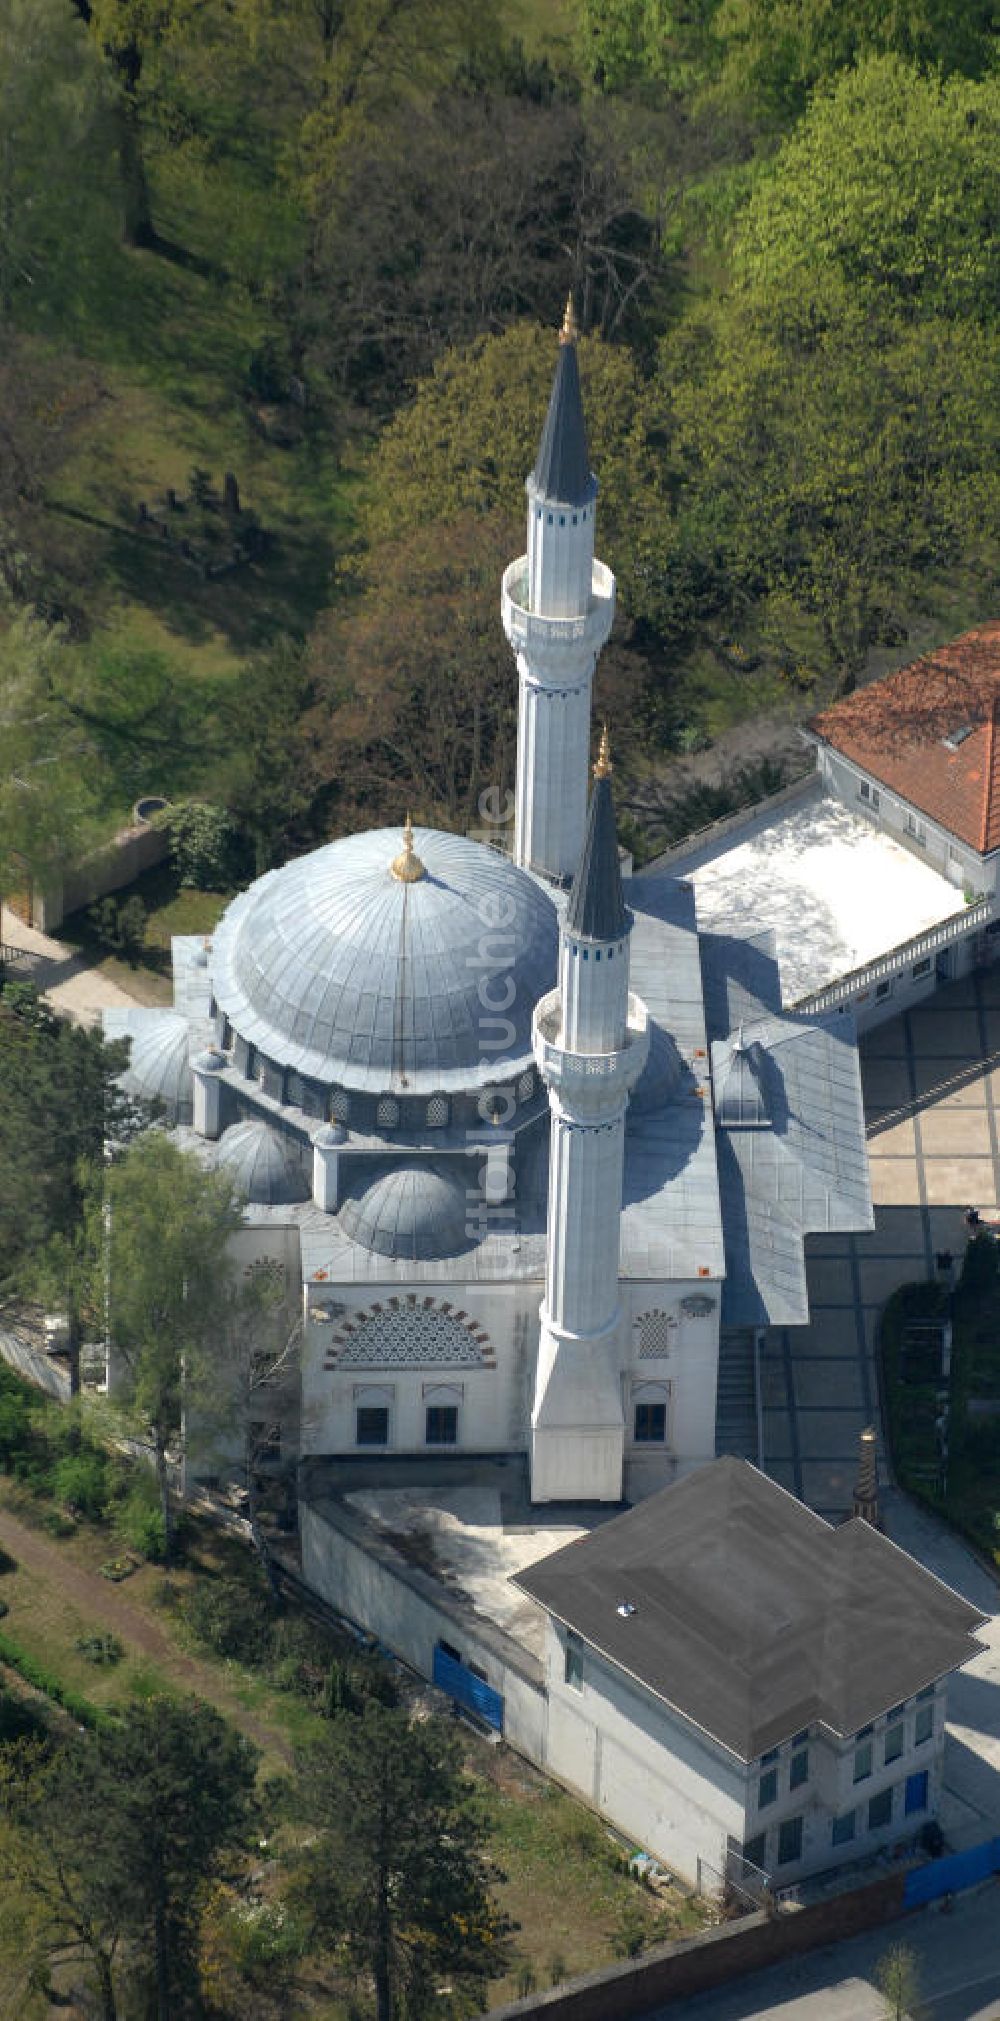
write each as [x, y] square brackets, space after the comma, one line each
[834, 889]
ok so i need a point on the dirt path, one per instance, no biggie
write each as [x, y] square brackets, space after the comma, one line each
[110, 1608]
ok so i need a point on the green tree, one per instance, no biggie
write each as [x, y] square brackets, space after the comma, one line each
[467, 440]
[634, 42]
[51, 81]
[47, 787]
[898, 1981]
[159, 1242]
[828, 231]
[397, 1878]
[119, 1836]
[774, 52]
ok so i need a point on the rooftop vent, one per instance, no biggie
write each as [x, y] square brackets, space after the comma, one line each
[625, 1608]
[957, 737]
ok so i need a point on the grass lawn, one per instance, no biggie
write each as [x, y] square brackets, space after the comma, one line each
[967, 1492]
[171, 908]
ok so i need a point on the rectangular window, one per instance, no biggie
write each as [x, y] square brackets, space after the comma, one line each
[921, 968]
[844, 1828]
[882, 990]
[880, 1810]
[864, 790]
[799, 1771]
[916, 1792]
[773, 1754]
[573, 1672]
[767, 1788]
[448, 1649]
[372, 1425]
[923, 1725]
[442, 1424]
[650, 1423]
[863, 1761]
[755, 1850]
[799, 1739]
[790, 1841]
[895, 1742]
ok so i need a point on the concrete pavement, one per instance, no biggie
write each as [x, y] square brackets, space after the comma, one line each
[63, 975]
[957, 1960]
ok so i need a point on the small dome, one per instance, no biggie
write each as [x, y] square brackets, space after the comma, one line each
[256, 1158]
[211, 1061]
[411, 1212]
[330, 1134]
[159, 1068]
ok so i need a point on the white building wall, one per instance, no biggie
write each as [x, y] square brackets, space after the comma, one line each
[672, 1789]
[956, 860]
[687, 1370]
[397, 1603]
[493, 1402]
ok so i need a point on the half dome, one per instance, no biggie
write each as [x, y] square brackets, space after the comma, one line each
[159, 1067]
[257, 1160]
[342, 969]
[411, 1212]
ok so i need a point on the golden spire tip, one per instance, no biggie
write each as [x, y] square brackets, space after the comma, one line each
[602, 769]
[570, 328]
[407, 867]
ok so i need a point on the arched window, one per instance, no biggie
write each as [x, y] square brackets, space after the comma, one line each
[340, 1105]
[437, 1112]
[387, 1113]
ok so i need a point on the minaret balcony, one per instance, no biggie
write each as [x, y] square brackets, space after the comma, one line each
[602, 1075]
[553, 640]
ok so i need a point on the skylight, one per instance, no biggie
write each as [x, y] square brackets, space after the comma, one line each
[957, 737]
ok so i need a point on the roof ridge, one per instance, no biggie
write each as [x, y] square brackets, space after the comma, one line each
[990, 778]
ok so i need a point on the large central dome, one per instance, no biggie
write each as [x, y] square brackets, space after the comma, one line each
[378, 963]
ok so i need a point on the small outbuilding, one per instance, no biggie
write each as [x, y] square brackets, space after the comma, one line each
[744, 1688]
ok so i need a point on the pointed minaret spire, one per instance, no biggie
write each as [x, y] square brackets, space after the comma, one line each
[865, 1502]
[558, 604]
[596, 907]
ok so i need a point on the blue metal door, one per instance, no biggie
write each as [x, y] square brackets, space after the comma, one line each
[469, 1690]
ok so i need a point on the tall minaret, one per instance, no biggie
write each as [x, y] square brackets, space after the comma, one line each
[591, 1038]
[558, 604]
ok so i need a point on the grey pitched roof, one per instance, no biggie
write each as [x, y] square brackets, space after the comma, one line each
[562, 472]
[753, 1616]
[596, 907]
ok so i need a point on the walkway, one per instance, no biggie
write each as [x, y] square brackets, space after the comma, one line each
[64, 976]
[932, 1099]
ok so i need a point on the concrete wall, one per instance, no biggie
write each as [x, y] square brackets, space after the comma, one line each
[48, 1372]
[631, 1991]
[365, 1578]
[671, 1788]
[132, 851]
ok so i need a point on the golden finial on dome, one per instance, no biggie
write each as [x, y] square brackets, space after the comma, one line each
[570, 328]
[602, 769]
[407, 865]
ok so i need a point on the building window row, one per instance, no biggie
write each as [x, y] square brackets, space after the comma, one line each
[372, 1425]
[901, 1799]
[796, 1753]
[894, 1734]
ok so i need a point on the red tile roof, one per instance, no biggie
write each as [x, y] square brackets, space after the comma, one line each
[895, 731]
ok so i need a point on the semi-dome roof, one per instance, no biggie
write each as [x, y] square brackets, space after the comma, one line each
[352, 973]
[256, 1158]
[159, 1068]
[409, 1211]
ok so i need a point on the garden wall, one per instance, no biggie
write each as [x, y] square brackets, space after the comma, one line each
[131, 851]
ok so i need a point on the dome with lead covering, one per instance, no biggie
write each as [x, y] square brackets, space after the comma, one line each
[159, 1067]
[411, 1212]
[393, 959]
[256, 1159]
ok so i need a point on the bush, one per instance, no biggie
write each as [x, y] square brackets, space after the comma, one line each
[80, 1481]
[102, 1649]
[19, 1721]
[35, 1673]
[232, 1618]
[202, 844]
[139, 1519]
[7, 1563]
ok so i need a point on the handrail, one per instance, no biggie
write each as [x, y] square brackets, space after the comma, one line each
[947, 930]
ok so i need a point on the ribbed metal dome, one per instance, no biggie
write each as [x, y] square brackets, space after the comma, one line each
[342, 969]
[409, 1211]
[159, 1068]
[256, 1158]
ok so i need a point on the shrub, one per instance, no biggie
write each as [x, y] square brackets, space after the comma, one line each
[80, 1481]
[36, 1674]
[139, 1519]
[232, 1618]
[202, 844]
[7, 1563]
[102, 1649]
[19, 1721]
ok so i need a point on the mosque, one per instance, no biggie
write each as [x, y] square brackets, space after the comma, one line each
[531, 1150]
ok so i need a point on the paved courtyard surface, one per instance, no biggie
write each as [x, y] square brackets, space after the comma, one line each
[62, 974]
[932, 1095]
[957, 1962]
[835, 891]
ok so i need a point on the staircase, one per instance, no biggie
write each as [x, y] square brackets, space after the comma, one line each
[736, 1398]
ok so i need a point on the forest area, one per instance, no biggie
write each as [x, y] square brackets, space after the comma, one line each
[277, 326]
